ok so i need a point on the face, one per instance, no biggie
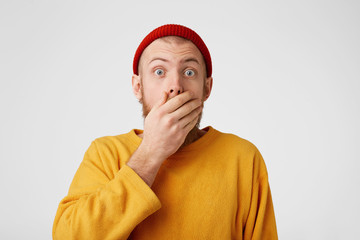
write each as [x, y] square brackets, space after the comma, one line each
[172, 65]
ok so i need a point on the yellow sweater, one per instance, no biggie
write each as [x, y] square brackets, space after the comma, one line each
[215, 188]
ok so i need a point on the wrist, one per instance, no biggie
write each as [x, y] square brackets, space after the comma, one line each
[148, 153]
[144, 165]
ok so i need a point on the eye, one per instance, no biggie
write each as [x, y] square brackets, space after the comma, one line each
[189, 73]
[159, 72]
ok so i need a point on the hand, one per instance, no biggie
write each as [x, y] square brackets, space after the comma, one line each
[168, 124]
[165, 129]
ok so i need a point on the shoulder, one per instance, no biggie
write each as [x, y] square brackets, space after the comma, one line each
[247, 154]
[114, 145]
[124, 139]
[114, 150]
[239, 144]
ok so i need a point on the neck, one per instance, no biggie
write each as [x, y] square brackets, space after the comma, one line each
[192, 136]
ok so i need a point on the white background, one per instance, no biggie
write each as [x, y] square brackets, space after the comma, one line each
[286, 77]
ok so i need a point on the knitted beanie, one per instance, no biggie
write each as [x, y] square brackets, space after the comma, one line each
[174, 30]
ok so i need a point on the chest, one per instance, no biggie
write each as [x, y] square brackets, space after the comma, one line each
[199, 201]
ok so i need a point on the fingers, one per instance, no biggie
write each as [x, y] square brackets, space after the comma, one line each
[182, 110]
[162, 100]
[190, 118]
[193, 117]
[186, 108]
[176, 102]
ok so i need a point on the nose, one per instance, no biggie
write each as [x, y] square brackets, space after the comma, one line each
[175, 88]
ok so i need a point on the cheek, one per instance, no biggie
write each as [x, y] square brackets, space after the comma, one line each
[151, 95]
[198, 89]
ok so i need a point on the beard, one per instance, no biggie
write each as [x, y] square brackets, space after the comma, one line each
[193, 134]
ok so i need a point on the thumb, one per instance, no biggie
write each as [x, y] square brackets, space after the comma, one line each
[162, 100]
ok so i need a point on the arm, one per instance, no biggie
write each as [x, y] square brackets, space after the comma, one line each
[165, 130]
[260, 222]
[98, 207]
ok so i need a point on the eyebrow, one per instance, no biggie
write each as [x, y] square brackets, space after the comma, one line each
[191, 60]
[184, 61]
[158, 58]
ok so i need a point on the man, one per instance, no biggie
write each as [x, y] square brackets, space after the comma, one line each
[172, 180]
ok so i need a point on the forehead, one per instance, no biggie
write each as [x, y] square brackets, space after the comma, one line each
[171, 46]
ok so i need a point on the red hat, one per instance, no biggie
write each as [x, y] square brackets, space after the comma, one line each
[174, 30]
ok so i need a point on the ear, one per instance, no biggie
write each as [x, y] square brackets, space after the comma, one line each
[136, 86]
[208, 87]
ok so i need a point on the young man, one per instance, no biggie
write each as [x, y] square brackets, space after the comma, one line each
[172, 180]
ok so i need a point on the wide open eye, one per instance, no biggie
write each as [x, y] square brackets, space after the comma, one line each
[159, 72]
[189, 73]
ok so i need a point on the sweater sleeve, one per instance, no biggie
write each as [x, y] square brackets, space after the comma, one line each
[101, 206]
[260, 224]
